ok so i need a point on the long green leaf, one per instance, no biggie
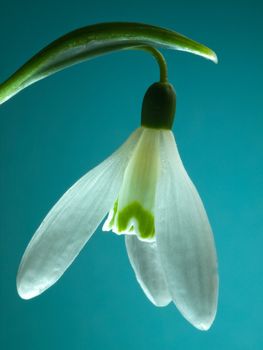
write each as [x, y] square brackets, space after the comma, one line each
[92, 41]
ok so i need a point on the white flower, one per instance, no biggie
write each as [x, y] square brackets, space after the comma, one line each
[150, 198]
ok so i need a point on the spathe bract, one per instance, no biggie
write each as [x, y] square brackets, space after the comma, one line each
[93, 41]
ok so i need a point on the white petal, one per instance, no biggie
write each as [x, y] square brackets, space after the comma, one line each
[185, 240]
[71, 222]
[136, 201]
[146, 264]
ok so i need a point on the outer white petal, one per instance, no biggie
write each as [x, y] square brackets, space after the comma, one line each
[185, 241]
[71, 222]
[146, 264]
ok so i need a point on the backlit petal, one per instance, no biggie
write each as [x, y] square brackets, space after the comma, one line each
[146, 264]
[134, 211]
[185, 241]
[71, 222]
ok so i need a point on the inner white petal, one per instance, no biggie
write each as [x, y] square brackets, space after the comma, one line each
[139, 183]
[133, 212]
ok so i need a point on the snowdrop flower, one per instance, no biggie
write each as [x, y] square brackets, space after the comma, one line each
[152, 201]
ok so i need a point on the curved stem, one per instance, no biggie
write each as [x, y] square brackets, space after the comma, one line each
[96, 40]
[160, 60]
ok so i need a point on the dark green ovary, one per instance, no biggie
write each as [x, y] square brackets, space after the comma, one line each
[144, 218]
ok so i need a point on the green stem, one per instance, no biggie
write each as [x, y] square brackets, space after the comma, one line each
[160, 60]
[96, 40]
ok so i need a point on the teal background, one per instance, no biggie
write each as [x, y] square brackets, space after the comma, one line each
[56, 130]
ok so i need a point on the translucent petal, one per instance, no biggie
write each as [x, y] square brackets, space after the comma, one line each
[71, 222]
[146, 264]
[185, 241]
[135, 208]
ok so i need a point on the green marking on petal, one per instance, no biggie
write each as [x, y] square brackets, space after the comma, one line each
[144, 218]
[115, 208]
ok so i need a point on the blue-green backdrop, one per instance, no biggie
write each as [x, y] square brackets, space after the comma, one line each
[59, 128]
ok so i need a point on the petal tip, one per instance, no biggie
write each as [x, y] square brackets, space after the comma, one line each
[25, 289]
[162, 302]
[205, 323]
[203, 326]
[26, 294]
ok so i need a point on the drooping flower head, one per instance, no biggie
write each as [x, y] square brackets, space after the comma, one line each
[141, 191]
[150, 199]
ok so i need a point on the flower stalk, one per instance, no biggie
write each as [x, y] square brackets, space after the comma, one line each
[96, 40]
[160, 60]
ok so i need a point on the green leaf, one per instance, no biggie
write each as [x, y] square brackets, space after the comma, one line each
[93, 41]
